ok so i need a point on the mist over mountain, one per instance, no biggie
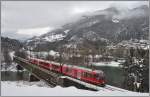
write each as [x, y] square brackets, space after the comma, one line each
[99, 28]
[8, 48]
[10, 44]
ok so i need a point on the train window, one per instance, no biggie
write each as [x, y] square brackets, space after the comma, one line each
[68, 70]
[41, 62]
[55, 67]
[88, 75]
[97, 76]
[47, 64]
[85, 74]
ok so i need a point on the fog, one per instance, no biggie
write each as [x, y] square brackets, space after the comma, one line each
[23, 19]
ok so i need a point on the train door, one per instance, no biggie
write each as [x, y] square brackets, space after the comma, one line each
[79, 73]
[75, 73]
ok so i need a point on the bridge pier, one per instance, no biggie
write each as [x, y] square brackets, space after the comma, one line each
[64, 82]
[32, 78]
[52, 78]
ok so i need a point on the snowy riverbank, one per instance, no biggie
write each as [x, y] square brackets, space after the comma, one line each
[35, 89]
[12, 67]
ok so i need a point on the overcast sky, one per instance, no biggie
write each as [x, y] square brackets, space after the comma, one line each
[25, 19]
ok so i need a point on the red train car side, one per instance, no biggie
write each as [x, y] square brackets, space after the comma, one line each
[96, 77]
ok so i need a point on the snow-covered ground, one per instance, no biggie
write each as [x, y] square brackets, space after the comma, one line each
[24, 89]
[12, 67]
[53, 38]
[111, 64]
[134, 43]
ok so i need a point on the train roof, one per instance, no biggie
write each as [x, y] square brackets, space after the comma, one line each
[73, 66]
[79, 67]
[51, 62]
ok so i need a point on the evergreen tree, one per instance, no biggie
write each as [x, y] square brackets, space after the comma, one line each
[7, 58]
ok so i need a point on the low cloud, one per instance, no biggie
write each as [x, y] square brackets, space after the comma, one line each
[34, 31]
[29, 18]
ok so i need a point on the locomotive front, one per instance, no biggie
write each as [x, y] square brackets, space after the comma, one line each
[100, 76]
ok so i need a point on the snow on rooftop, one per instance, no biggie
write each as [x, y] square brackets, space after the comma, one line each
[18, 89]
[53, 53]
[111, 64]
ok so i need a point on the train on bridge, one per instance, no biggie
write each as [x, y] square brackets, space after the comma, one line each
[96, 77]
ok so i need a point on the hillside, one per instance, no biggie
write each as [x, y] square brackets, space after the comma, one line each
[99, 28]
[8, 48]
[10, 44]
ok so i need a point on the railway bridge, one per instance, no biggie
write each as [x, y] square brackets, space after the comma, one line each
[53, 79]
[50, 77]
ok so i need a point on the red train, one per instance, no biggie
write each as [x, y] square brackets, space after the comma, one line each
[96, 77]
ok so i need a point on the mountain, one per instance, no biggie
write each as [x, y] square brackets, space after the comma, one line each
[10, 44]
[8, 47]
[96, 29]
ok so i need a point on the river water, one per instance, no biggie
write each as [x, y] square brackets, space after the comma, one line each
[114, 75]
[14, 75]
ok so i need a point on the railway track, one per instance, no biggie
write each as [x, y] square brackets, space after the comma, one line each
[54, 78]
[106, 88]
[114, 88]
[47, 76]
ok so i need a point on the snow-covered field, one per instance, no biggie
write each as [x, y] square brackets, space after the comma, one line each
[35, 89]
